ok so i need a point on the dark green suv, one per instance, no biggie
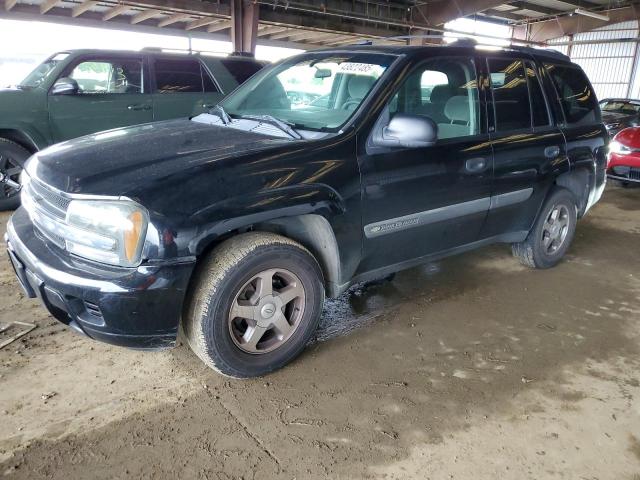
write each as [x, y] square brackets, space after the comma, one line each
[86, 91]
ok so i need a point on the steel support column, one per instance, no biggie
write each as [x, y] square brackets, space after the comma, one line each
[244, 25]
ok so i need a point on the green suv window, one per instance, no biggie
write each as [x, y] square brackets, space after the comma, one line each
[109, 76]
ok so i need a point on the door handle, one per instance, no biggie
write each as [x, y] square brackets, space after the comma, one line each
[476, 165]
[552, 152]
[138, 107]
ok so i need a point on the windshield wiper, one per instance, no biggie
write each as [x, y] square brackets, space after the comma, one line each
[271, 120]
[219, 112]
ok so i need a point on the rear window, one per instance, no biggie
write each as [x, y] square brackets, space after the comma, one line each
[182, 76]
[241, 70]
[576, 96]
[510, 94]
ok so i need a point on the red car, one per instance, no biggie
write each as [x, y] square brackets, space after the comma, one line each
[624, 156]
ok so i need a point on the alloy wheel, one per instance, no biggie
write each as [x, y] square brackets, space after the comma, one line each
[266, 311]
[12, 169]
[555, 229]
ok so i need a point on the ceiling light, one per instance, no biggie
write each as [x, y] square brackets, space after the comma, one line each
[597, 16]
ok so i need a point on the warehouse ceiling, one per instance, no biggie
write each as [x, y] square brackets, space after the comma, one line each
[312, 23]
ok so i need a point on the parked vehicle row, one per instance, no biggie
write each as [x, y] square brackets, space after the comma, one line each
[237, 223]
[86, 91]
[620, 113]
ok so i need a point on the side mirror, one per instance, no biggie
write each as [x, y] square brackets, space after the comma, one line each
[65, 86]
[408, 131]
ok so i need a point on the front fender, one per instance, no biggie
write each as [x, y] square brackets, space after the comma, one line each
[241, 212]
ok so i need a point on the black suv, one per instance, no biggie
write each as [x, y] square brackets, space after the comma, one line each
[235, 224]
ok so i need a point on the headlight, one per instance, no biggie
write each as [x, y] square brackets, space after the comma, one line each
[110, 232]
[620, 149]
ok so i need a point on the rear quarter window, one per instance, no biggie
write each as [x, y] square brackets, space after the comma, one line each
[241, 70]
[576, 96]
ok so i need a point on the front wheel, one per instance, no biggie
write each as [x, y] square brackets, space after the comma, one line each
[552, 233]
[255, 304]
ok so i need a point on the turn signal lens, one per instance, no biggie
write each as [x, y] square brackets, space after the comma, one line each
[133, 235]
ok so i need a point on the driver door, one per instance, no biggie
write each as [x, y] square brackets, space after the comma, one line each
[111, 93]
[426, 200]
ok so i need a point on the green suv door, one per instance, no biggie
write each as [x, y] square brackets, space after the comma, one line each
[183, 87]
[104, 92]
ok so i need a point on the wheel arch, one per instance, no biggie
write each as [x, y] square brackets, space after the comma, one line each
[580, 182]
[312, 230]
[21, 138]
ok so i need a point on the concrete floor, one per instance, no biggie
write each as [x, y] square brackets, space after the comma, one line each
[472, 368]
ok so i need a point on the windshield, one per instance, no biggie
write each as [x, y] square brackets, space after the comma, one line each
[317, 92]
[42, 71]
[617, 106]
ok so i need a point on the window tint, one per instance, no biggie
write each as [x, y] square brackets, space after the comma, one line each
[109, 76]
[578, 100]
[510, 94]
[241, 69]
[446, 91]
[538, 105]
[181, 76]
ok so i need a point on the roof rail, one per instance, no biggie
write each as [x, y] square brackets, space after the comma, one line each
[540, 52]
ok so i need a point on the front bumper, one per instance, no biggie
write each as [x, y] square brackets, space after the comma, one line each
[137, 308]
[624, 173]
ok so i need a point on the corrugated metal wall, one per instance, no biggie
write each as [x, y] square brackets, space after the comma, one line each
[609, 65]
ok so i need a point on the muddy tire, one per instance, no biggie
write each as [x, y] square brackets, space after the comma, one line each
[552, 233]
[254, 304]
[12, 159]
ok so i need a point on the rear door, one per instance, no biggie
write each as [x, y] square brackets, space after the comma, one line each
[529, 148]
[184, 87]
[113, 92]
[582, 126]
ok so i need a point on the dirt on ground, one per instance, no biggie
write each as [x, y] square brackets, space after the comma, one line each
[472, 368]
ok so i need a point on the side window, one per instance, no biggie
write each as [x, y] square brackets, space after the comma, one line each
[539, 110]
[180, 76]
[510, 94]
[445, 90]
[578, 100]
[109, 76]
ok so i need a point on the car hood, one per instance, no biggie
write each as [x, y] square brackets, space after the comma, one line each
[117, 162]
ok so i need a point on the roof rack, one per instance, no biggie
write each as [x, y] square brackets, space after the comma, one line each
[540, 52]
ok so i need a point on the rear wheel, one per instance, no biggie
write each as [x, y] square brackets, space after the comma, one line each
[12, 158]
[255, 304]
[552, 233]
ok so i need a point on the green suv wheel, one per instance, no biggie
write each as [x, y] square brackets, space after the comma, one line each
[12, 158]
[255, 303]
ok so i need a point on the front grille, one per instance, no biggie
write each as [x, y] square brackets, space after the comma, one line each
[634, 174]
[47, 209]
[627, 172]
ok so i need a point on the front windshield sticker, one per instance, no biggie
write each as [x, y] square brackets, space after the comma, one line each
[361, 69]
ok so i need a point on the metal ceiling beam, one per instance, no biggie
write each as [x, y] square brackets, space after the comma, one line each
[178, 17]
[216, 27]
[201, 22]
[570, 25]
[48, 5]
[115, 11]
[270, 30]
[535, 8]
[144, 15]
[82, 8]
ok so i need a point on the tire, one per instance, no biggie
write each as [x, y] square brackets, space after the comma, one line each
[12, 158]
[540, 250]
[232, 277]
